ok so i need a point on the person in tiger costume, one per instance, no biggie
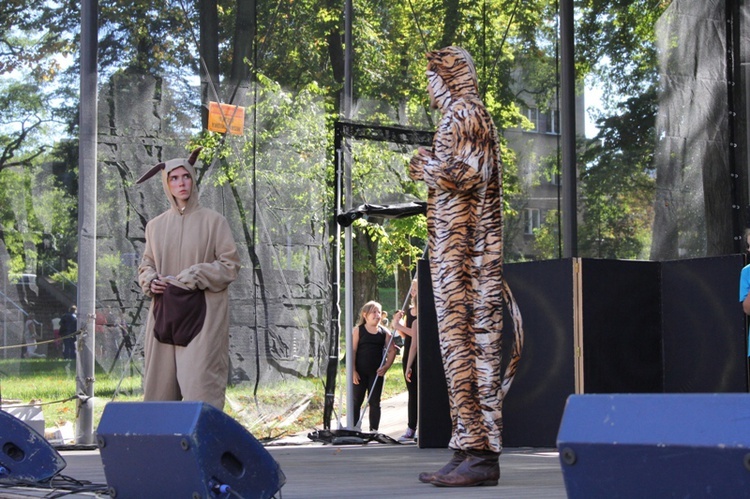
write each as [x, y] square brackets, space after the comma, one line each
[463, 174]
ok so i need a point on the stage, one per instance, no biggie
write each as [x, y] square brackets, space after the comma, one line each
[373, 470]
[316, 470]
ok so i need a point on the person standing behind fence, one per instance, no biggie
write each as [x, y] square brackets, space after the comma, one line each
[68, 326]
[369, 341]
[30, 338]
[189, 261]
[409, 358]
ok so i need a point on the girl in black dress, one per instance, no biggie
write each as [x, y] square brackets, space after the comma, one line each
[369, 341]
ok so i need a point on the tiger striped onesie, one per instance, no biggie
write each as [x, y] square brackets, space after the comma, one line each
[463, 173]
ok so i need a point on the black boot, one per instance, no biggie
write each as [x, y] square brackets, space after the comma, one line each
[457, 459]
[479, 468]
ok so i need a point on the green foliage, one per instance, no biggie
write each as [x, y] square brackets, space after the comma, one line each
[547, 237]
[395, 242]
[616, 44]
[35, 37]
[618, 182]
[67, 276]
[135, 34]
[283, 166]
[298, 84]
[35, 213]
[617, 47]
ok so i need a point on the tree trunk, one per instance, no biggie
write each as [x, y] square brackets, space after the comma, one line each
[365, 276]
[242, 51]
[336, 45]
[405, 275]
[209, 53]
[451, 21]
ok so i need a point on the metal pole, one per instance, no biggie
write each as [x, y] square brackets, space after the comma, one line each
[568, 130]
[87, 224]
[332, 370]
[735, 150]
[5, 308]
[348, 265]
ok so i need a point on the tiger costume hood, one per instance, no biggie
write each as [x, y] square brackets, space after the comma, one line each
[451, 74]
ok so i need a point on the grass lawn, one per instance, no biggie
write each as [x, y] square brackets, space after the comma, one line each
[284, 408]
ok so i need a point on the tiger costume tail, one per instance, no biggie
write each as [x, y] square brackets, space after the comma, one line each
[518, 339]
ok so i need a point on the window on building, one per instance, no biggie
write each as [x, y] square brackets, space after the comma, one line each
[532, 219]
[532, 114]
[554, 178]
[543, 122]
[552, 121]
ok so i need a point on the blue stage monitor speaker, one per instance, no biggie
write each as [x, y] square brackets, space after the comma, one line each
[654, 446]
[25, 455]
[182, 449]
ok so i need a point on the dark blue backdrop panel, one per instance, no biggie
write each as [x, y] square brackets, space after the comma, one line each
[705, 341]
[655, 445]
[546, 374]
[621, 326]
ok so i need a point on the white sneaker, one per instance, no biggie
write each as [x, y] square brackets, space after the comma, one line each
[408, 436]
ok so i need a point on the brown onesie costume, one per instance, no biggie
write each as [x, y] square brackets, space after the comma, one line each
[194, 249]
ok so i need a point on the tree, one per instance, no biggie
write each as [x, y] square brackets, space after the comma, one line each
[617, 183]
[33, 39]
[636, 52]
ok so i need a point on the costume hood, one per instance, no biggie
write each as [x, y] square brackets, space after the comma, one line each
[166, 167]
[455, 67]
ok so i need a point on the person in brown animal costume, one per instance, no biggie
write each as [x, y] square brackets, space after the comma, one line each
[189, 260]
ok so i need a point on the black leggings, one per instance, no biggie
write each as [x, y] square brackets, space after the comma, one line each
[411, 387]
[366, 381]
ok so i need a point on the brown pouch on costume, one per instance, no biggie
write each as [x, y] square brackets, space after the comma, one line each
[179, 315]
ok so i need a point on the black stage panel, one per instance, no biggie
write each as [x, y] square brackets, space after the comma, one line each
[645, 327]
[546, 375]
[434, 422]
[621, 326]
[705, 345]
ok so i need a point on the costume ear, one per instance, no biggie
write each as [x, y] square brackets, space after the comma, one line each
[153, 171]
[194, 155]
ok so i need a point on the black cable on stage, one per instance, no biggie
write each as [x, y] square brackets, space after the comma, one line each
[58, 486]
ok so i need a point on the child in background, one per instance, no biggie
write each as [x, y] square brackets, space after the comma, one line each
[369, 341]
[408, 332]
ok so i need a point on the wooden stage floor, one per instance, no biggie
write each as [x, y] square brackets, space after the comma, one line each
[372, 470]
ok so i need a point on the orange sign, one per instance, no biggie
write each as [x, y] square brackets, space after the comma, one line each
[225, 116]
